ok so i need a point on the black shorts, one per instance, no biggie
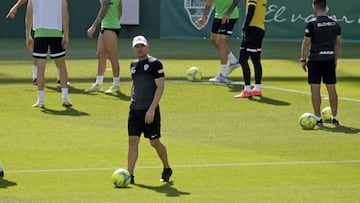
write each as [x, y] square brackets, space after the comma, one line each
[42, 44]
[252, 40]
[224, 29]
[117, 31]
[324, 70]
[137, 125]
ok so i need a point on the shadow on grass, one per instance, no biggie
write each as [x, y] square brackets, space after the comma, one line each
[74, 90]
[263, 99]
[341, 129]
[118, 95]
[267, 100]
[121, 96]
[6, 183]
[66, 112]
[166, 189]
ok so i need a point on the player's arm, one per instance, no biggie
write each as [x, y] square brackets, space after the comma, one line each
[337, 48]
[201, 22]
[120, 9]
[28, 25]
[229, 11]
[12, 12]
[305, 49]
[65, 17]
[249, 15]
[159, 82]
[101, 14]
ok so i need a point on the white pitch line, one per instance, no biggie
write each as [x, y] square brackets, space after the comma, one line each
[308, 93]
[231, 83]
[192, 166]
[267, 87]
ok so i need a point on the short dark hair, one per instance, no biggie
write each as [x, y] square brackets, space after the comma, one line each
[321, 4]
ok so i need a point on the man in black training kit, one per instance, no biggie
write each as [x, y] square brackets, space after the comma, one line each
[322, 45]
[144, 117]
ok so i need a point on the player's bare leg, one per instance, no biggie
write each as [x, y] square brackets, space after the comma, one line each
[333, 98]
[40, 64]
[162, 152]
[133, 152]
[219, 41]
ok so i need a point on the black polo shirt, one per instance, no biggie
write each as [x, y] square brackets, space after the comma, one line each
[143, 74]
[323, 32]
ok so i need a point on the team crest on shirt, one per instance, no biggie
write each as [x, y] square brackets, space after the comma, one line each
[146, 67]
[133, 70]
[195, 9]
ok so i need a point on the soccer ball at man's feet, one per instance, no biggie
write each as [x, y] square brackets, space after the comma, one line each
[326, 114]
[307, 121]
[193, 74]
[121, 178]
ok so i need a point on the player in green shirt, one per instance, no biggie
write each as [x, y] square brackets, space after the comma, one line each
[226, 15]
[12, 14]
[51, 31]
[109, 17]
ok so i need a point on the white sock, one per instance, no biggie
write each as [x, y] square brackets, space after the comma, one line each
[116, 81]
[232, 58]
[257, 87]
[34, 72]
[318, 118]
[223, 70]
[65, 94]
[334, 117]
[41, 96]
[99, 79]
[58, 73]
[247, 88]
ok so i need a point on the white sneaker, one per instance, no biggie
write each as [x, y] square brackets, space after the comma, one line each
[39, 104]
[94, 88]
[113, 89]
[219, 79]
[67, 103]
[232, 67]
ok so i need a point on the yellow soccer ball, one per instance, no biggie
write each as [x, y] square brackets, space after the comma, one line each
[121, 178]
[307, 121]
[326, 114]
[193, 74]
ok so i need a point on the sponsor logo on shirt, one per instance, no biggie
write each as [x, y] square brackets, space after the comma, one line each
[326, 52]
[326, 24]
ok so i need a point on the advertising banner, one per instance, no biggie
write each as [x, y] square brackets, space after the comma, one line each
[285, 20]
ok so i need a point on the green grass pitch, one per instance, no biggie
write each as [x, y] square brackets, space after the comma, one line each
[221, 149]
